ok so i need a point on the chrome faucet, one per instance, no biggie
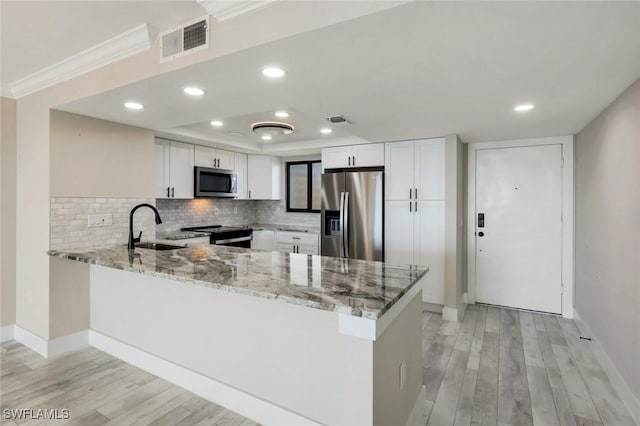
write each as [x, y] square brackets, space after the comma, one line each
[132, 241]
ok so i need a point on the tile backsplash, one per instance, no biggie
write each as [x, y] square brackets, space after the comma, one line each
[70, 231]
[69, 222]
[177, 214]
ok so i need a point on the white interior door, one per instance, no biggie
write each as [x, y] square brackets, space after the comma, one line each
[519, 248]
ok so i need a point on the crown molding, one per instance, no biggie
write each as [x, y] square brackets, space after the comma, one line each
[5, 92]
[129, 43]
[221, 10]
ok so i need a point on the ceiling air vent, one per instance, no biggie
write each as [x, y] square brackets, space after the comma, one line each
[184, 39]
[338, 119]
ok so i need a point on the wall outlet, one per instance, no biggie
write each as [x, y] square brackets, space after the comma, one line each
[402, 375]
[100, 220]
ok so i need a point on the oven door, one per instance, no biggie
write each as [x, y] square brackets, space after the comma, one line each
[244, 241]
[215, 183]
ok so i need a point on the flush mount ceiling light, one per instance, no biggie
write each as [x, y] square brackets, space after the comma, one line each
[194, 91]
[137, 106]
[282, 114]
[325, 131]
[523, 107]
[271, 128]
[273, 72]
[216, 123]
[266, 137]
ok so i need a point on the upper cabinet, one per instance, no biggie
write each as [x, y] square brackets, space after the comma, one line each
[414, 170]
[264, 177]
[214, 158]
[367, 155]
[240, 161]
[174, 162]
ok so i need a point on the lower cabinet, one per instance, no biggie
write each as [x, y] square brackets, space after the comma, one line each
[414, 234]
[297, 242]
[264, 239]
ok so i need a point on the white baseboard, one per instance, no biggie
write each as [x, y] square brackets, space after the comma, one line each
[236, 400]
[49, 348]
[32, 341]
[619, 383]
[418, 415]
[7, 332]
[68, 343]
[449, 314]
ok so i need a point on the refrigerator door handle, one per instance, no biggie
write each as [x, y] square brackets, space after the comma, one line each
[345, 227]
[342, 224]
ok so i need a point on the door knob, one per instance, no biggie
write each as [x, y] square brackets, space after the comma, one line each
[480, 234]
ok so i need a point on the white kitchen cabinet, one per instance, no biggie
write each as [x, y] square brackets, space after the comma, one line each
[240, 162]
[414, 235]
[429, 247]
[337, 157]
[174, 162]
[297, 242]
[214, 158]
[399, 232]
[414, 209]
[414, 170]
[429, 169]
[264, 177]
[264, 239]
[367, 155]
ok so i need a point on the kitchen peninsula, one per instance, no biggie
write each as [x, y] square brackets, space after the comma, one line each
[282, 338]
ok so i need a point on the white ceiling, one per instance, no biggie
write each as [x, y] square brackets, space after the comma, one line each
[37, 34]
[420, 70]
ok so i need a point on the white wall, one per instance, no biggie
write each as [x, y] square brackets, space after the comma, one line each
[454, 230]
[98, 158]
[608, 231]
[7, 212]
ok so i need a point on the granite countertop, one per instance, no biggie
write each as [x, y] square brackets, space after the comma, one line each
[292, 228]
[354, 287]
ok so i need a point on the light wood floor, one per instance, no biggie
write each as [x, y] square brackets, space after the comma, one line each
[99, 389]
[505, 367]
[498, 367]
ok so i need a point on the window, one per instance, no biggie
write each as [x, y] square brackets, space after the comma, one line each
[303, 186]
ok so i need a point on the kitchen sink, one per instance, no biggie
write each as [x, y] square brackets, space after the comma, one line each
[158, 246]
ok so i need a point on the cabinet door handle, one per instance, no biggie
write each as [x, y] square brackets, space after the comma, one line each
[410, 193]
[354, 160]
[173, 192]
[249, 193]
[410, 203]
[416, 207]
[349, 160]
[415, 190]
[168, 192]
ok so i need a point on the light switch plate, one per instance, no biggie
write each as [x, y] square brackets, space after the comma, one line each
[100, 220]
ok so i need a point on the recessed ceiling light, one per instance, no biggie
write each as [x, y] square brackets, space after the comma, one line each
[266, 137]
[134, 105]
[282, 114]
[523, 107]
[273, 72]
[326, 131]
[194, 91]
[216, 123]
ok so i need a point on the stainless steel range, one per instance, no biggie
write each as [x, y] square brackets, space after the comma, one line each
[236, 236]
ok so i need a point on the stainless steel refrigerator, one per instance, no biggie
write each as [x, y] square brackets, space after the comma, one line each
[352, 215]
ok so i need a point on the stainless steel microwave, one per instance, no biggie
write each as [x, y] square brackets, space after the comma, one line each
[215, 183]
